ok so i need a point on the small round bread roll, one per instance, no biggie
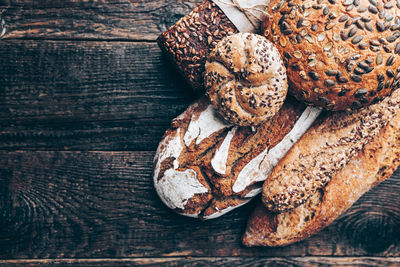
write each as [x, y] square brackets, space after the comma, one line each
[246, 79]
[341, 54]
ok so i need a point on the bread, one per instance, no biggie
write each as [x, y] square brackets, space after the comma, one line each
[373, 164]
[323, 151]
[188, 43]
[205, 167]
[339, 54]
[245, 79]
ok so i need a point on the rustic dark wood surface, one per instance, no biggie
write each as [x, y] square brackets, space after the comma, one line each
[85, 96]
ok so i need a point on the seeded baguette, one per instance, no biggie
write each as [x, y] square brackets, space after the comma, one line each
[339, 54]
[188, 43]
[375, 163]
[323, 151]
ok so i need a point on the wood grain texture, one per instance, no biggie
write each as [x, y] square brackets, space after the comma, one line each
[58, 95]
[78, 93]
[102, 204]
[217, 261]
[82, 19]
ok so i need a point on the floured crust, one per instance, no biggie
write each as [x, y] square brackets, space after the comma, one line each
[245, 79]
[339, 54]
[374, 163]
[200, 158]
[323, 151]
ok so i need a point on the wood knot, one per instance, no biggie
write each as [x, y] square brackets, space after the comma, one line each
[375, 231]
[171, 15]
[169, 20]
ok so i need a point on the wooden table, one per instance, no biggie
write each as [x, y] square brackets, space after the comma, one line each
[85, 96]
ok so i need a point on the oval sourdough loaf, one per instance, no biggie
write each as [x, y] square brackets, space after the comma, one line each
[374, 163]
[205, 167]
[245, 79]
[339, 54]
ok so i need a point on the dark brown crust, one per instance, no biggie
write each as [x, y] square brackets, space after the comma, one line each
[360, 175]
[323, 151]
[246, 144]
[339, 54]
[189, 42]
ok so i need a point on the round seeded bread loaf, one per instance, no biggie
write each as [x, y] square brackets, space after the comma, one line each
[339, 54]
[246, 79]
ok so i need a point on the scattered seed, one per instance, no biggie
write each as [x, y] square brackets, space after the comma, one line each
[321, 37]
[331, 72]
[368, 26]
[356, 78]
[348, 2]
[374, 42]
[389, 61]
[309, 39]
[295, 66]
[313, 75]
[287, 55]
[380, 26]
[330, 83]
[392, 38]
[390, 73]
[397, 48]
[357, 39]
[373, 9]
[361, 9]
[343, 18]
[342, 93]
[380, 86]
[352, 32]
[387, 49]
[299, 38]
[325, 11]
[342, 79]
[300, 23]
[363, 65]
[343, 35]
[363, 45]
[314, 27]
[283, 41]
[297, 54]
[388, 5]
[358, 71]
[336, 37]
[360, 92]
[303, 75]
[328, 46]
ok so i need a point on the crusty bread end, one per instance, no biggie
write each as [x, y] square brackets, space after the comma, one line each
[374, 164]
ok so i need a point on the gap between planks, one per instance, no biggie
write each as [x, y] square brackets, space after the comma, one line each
[305, 261]
[116, 40]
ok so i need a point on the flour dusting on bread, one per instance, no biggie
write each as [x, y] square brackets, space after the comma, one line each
[218, 162]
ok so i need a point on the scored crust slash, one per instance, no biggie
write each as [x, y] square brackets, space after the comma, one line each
[220, 153]
[223, 164]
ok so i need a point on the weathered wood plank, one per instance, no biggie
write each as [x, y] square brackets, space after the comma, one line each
[58, 95]
[102, 204]
[218, 261]
[81, 19]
